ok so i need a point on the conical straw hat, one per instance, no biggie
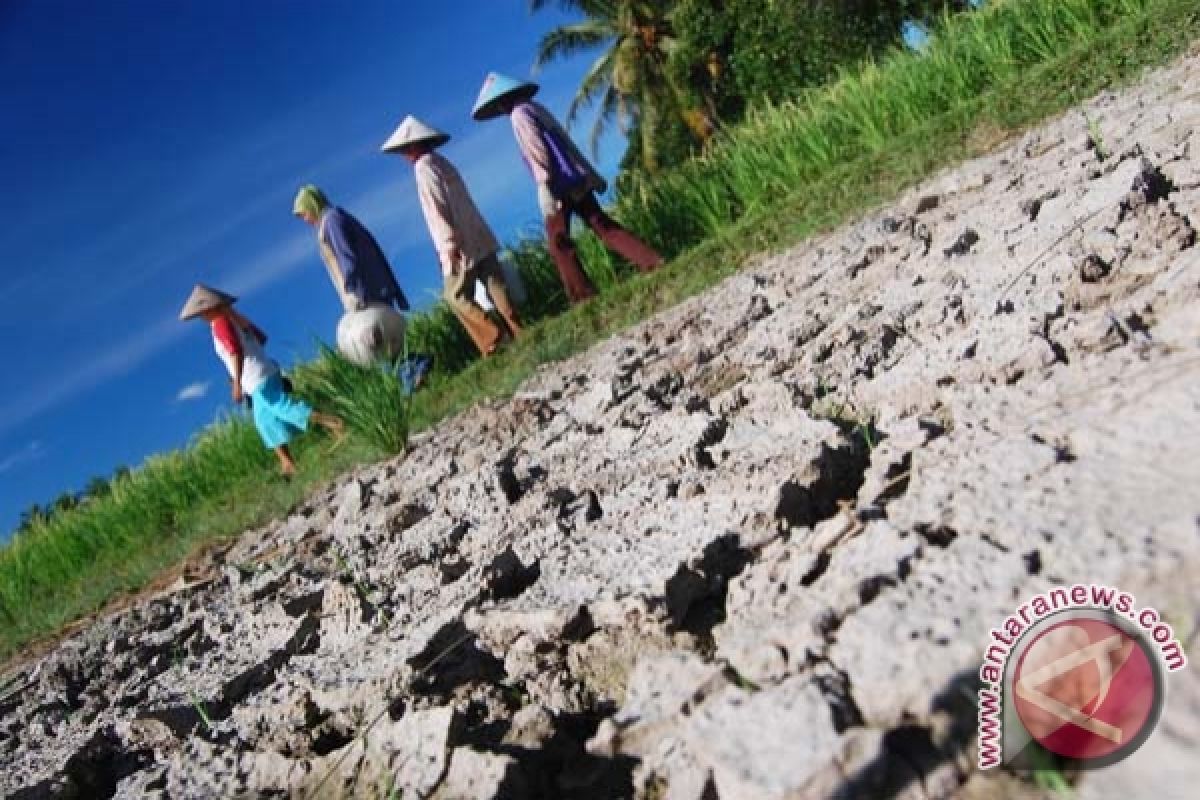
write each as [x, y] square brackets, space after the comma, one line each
[414, 131]
[497, 87]
[204, 299]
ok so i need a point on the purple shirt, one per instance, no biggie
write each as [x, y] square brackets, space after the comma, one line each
[550, 154]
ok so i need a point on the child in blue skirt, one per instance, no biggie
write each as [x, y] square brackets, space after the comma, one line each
[277, 415]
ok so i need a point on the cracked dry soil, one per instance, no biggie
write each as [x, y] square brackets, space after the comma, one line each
[750, 548]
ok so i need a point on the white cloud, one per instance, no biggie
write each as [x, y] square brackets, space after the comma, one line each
[193, 391]
[30, 452]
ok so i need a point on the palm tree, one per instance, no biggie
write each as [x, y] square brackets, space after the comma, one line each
[629, 80]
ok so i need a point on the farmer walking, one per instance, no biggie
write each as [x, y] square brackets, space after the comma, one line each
[371, 328]
[239, 343]
[466, 246]
[566, 182]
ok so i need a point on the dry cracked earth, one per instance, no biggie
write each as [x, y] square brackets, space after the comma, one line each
[750, 549]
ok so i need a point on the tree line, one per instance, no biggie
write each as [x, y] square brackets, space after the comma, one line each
[672, 73]
[38, 513]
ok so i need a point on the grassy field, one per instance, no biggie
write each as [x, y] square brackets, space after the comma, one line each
[788, 172]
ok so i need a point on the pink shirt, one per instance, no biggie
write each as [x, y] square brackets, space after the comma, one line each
[453, 220]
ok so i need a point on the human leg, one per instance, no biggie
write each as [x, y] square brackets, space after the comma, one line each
[488, 271]
[617, 238]
[459, 294]
[286, 465]
[566, 260]
[278, 416]
[330, 423]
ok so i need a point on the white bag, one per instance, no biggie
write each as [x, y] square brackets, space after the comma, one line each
[482, 298]
[377, 332]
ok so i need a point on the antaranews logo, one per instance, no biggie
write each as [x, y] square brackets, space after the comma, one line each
[1078, 671]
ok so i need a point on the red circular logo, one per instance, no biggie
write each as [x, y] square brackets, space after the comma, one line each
[1086, 689]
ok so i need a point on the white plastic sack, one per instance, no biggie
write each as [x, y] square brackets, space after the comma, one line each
[367, 336]
[482, 298]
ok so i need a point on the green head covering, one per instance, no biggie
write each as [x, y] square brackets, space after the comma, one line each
[310, 199]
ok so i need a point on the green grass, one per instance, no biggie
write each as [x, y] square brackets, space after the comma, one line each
[1096, 137]
[788, 172]
[371, 401]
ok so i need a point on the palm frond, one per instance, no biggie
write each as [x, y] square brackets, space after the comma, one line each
[610, 107]
[598, 79]
[591, 8]
[570, 40]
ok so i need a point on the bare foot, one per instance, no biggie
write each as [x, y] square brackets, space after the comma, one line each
[332, 424]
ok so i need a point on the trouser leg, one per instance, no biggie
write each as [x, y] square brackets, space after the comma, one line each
[566, 260]
[459, 295]
[488, 271]
[617, 238]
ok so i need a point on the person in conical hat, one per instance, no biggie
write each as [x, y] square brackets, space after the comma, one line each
[278, 415]
[371, 328]
[466, 246]
[566, 182]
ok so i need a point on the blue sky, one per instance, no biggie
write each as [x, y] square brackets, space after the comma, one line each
[147, 145]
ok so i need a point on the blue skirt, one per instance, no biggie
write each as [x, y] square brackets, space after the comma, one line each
[277, 415]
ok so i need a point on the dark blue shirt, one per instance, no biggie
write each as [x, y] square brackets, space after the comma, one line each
[365, 269]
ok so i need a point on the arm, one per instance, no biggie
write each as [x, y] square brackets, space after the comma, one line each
[529, 138]
[383, 270]
[439, 217]
[228, 339]
[337, 238]
[573, 152]
[243, 322]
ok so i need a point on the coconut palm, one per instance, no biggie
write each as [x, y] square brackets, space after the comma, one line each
[629, 80]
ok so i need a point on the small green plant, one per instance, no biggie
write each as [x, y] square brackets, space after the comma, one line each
[870, 434]
[1096, 137]
[198, 704]
[193, 698]
[843, 414]
[1047, 774]
[741, 681]
[514, 694]
[656, 788]
[364, 591]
